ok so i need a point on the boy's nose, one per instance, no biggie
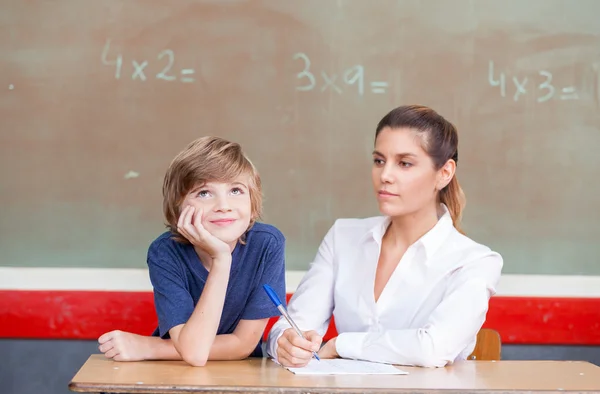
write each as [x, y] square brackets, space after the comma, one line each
[222, 205]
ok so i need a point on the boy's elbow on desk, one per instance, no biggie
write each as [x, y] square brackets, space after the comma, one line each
[197, 363]
[195, 360]
[192, 355]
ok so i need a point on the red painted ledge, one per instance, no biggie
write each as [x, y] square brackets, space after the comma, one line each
[88, 314]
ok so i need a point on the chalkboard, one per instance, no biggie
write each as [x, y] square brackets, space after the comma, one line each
[98, 96]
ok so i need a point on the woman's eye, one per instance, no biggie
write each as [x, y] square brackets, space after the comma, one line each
[405, 164]
[378, 161]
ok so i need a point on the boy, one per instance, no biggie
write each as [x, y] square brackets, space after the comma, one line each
[207, 271]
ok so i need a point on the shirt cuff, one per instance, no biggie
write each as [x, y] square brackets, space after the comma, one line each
[350, 344]
[272, 343]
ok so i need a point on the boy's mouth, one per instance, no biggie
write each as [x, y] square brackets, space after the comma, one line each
[222, 222]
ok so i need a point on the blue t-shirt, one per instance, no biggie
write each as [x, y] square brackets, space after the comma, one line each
[178, 278]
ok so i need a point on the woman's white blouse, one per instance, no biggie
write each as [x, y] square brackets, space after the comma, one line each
[429, 312]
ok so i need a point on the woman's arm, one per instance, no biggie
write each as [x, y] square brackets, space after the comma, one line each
[312, 304]
[450, 329]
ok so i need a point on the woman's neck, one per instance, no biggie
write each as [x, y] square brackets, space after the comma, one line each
[404, 231]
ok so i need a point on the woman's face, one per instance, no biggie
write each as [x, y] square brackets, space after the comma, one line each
[404, 176]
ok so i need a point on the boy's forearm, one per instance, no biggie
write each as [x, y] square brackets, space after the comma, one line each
[224, 347]
[228, 347]
[162, 349]
[198, 334]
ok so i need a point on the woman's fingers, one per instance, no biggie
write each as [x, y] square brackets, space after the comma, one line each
[300, 342]
[287, 359]
[295, 349]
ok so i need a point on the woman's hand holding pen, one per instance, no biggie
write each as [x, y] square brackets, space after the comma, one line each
[328, 350]
[294, 351]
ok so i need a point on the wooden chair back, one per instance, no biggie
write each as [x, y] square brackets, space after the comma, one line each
[488, 346]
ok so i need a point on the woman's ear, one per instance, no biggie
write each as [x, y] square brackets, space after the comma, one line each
[445, 174]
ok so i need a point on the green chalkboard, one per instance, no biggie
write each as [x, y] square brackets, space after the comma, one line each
[98, 96]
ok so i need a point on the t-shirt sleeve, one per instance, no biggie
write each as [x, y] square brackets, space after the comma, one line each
[173, 302]
[259, 306]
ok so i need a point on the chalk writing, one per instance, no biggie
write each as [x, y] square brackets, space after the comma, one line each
[546, 86]
[378, 87]
[165, 60]
[305, 73]
[569, 94]
[139, 70]
[541, 86]
[331, 82]
[163, 74]
[118, 62]
[131, 174]
[356, 76]
[187, 71]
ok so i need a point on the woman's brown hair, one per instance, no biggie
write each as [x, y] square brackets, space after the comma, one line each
[439, 139]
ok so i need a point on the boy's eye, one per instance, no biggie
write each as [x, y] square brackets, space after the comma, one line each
[237, 190]
[203, 193]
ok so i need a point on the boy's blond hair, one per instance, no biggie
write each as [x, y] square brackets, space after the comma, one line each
[207, 159]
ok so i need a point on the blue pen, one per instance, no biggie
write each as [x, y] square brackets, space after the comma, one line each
[273, 296]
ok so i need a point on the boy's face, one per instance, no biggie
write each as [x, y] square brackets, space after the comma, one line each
[226, 206]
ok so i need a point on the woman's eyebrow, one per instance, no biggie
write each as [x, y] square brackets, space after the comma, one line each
[405, 154]
[397, 155]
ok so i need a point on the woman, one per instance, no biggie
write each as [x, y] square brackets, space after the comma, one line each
[407, 287]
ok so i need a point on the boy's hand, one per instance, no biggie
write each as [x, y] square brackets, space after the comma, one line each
[190, 226]
[124, 346]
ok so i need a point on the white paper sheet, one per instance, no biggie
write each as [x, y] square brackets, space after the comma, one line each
[340, 366]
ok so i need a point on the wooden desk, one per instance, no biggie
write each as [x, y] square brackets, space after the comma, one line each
[262, 375]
